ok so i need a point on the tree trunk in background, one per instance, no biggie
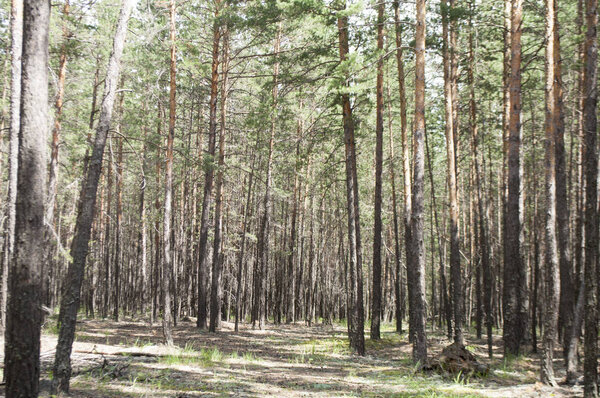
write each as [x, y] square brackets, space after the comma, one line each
[157, 207]
[355, 293]
[291, 281]
[551, 298]
[515, 273]
[259, 309]
[376, 299]
[143, 235]
[572, 353]
[107, 239]
[567, 286]
[398, 283]
[85, 215]
[406, 173]
[52, 239]
[481, 208]
[58, 104]
[506, 111]
[241, 268]
[216, 291]
[416, 263]
[24, 315]
[167, 271]
[16, 29]
[449, 76]
[208, 176]
[118, 259]
[590, 164]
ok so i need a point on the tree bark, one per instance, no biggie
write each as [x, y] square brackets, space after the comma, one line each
[355, 287]
[449, 75]
[376, 299]
[167, 275]
[58, 104]
[416, 263]
[572, 354]
[118, 259]
[552, 280]
[259, 310]
[25, 274]
[208, 176]
[515, 273]
[406, 172]
[216, 292]
[16, 29]
[590, 164]
[79, 246]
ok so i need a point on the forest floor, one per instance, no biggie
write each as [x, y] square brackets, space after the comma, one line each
[126, 359]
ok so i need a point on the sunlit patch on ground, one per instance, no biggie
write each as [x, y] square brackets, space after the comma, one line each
[127, 359]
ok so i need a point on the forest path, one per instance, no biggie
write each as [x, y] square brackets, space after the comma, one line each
[126, 359]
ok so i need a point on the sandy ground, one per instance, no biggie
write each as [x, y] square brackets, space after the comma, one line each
[127, 359]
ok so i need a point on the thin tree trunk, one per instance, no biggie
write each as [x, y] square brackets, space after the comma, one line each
[567, 286]
[58, 104]
[118, 259]
[16, 28]
[79, 246]
[572, 355]
[457, 298]
[552, 280]
[483, 230]
[260, 310]
[24, 315]
[355, 288]
[376, 300]
[291, 281]
[416, 263]
[167, 272]
[216, 292]
[590, 164]
[398, 285]
[406, 172]
[515, 280]
[143, 235]
[208, 175]
[241, 268]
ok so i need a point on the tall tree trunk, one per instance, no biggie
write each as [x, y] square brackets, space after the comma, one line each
[449, 76]
[79, 246]
[398, 283]
[481, 210]
[16, 46]
[143, 235]
[551, 249]
[25, 275]
[58, 104]
[572, 354]
[376, 300]
[567, 286]
[208, 175]
[118, 259]
[416, 263]
[167, 274]
[590, 164]
[216, 291]
[291, 281]
[515, 273]
[259, 309]
[406, 173]
[241, 268]
[107, 240]
[355, 288]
